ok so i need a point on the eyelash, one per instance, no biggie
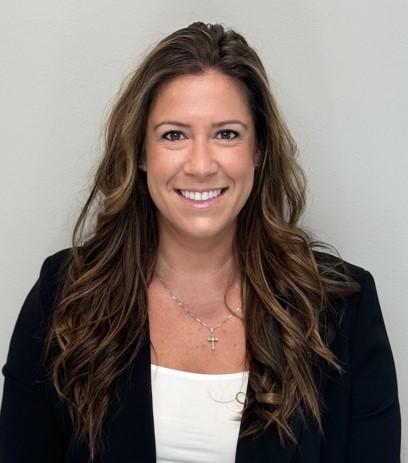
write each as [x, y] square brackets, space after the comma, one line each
[220, 135]
[168, 135]
[229, 132]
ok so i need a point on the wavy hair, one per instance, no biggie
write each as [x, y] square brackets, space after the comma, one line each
[101, 320]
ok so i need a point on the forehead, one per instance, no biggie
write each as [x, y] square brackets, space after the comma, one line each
[209, 93]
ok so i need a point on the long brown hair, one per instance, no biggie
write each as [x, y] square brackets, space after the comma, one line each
[101, 320]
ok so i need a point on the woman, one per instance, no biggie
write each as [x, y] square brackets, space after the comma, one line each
[196, 321]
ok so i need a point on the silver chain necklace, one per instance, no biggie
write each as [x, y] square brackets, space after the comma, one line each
[213, 338]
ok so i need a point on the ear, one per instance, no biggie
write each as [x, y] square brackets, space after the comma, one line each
[257, 158]
[142, 166]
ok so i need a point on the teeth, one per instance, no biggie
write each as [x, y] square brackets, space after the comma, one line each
[201, 196]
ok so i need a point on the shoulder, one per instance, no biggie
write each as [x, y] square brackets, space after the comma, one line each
[357, 284]
[53, 272]
[362, 298]
[359, 309]
[361, 334]
[329, 261]
[361, 279]
[24, 360]
[41, 299]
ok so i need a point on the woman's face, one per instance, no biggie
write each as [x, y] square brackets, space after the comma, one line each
[200, 155]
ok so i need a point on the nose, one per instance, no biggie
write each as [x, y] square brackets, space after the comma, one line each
[201, 159]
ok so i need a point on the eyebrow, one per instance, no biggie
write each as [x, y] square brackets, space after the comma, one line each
[214, 124]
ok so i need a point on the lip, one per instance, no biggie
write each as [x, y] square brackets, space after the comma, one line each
[201, 203]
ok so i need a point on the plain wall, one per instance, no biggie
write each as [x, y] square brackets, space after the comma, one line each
[339, 70]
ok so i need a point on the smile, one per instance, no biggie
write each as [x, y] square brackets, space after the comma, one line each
[201, 195]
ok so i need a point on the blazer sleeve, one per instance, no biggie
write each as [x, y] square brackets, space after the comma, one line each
[374, 420]
[30, 429]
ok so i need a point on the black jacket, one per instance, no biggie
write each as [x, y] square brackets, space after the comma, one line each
[361, 418]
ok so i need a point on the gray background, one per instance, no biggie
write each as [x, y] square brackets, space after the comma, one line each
[339, 70]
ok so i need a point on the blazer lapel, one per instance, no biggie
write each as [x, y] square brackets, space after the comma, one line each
[129, 424]
[266, 448]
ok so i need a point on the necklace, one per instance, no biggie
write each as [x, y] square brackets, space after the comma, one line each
[213, 338]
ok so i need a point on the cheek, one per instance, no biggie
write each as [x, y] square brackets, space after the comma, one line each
[244, 180]
[244, 169]
[159, 175]
[250, 174]
[159, 161]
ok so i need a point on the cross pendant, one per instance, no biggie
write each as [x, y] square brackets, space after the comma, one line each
[213, 339]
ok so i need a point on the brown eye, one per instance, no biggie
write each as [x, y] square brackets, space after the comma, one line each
[173, 135]
[227, 134]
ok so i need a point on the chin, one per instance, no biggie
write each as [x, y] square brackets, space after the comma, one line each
[209, 233]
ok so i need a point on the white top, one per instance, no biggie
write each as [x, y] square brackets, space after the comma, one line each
[196, 416]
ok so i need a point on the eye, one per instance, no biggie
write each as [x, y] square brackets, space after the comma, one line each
[227, 134]
[173, 135]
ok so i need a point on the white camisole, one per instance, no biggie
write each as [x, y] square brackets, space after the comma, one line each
[196, 416]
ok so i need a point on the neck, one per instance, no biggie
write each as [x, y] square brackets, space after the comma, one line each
[201, 273]
[204, 278]
[195, 259]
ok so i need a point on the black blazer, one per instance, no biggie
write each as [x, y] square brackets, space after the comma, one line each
[361, 418]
